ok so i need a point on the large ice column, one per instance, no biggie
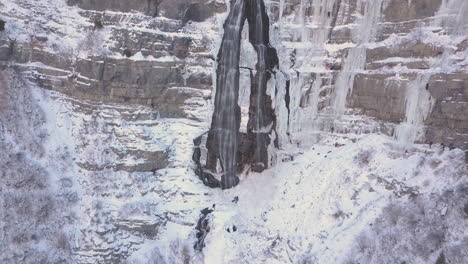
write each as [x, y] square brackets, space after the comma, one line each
[281, 9]
[355, 61]
[453, 14]
[418, 100]
[418, 103]
[228, 149]
[364, 32]
[316, 19]
[223, 137]
[262, 120]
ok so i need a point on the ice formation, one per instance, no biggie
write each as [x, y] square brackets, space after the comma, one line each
[233, 131]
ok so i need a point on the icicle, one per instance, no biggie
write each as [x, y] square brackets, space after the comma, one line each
[281, 9]
[419, 102]
[302, 10]
[356, 59]
[354, 62]
[418, 106]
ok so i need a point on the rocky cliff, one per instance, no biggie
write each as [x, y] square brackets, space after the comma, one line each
[386, 61]
[100, 102]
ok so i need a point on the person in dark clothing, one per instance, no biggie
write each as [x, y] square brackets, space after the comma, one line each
[430, 144]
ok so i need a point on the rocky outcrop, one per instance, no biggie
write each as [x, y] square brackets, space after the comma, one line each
[186, 10]
[97, 122]
[161, 70]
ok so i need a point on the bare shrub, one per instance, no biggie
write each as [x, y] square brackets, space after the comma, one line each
[61, 242]
[457, 253]
[364, 157]
[127, 53]
[441, 259]
[434, 163]
[98, 24]
[175, 252]
[416, 229]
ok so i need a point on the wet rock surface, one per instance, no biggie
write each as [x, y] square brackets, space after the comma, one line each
[224, 140]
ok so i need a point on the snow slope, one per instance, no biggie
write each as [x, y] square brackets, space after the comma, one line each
[330, 205]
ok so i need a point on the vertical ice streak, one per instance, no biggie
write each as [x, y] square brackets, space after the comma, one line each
[223, 138]
[356, 58]
[281, 9]
[418, 99]
[354, 62]
[304, 32]
[318, 18]
[261, 114]
[418, 106]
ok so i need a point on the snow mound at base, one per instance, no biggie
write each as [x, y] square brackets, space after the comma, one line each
[357, 203]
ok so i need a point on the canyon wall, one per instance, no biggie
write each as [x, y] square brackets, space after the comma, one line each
[355, 65]
[100, 102]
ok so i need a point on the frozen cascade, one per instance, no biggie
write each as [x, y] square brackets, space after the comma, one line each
[418, 106]
[306, 84]
[248, 60]
[281, 9]
[355, 61]
[227, 153]
[322, 20]
[261, 114]
[344, 84]
[314, 32]
[223, 138]
[302, 21]
[453, 13]
[418, 99]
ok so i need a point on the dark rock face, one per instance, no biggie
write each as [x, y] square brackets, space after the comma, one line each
[262, 119]
[207, 178]
[199, 12]
[223, 137]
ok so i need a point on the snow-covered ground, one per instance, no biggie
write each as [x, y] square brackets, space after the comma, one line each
[359, 202]
[330, 204]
